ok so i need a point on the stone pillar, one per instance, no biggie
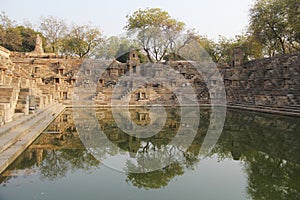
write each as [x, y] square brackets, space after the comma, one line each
[2, 76]
[238, 56]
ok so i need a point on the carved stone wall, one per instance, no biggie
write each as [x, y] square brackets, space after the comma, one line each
[270, 82]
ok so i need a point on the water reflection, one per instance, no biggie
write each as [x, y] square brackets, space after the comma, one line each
[267, 145]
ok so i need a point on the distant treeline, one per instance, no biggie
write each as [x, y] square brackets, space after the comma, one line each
[274, 28]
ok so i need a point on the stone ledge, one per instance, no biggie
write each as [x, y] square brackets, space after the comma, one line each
[266, 110]
[34, 127]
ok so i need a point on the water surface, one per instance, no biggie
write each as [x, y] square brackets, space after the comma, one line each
[256, 157]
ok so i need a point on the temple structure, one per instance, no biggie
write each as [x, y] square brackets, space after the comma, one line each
[29, 81]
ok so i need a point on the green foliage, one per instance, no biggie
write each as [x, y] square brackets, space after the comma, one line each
[5, 21]
[81, 40]
[201, 48]
[124, 57]
[293, 15]
[156, 31]
[223, 51]
[123, 53]
[275, 24]
[195, 47]
[109, 46]
[28, 36]
[115, 47]
[274, 28]
[54, 30]
[155, 179]
[12, 39]
[16, 38]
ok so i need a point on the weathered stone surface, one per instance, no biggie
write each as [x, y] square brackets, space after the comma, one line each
[38, 45]
[24, 75]
[272, 82]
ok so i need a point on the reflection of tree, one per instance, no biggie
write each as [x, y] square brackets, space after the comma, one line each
[269, 147]
[80, 159]
[156, 179]
[267, 144]
[191, 157]
[272, 178]
[53, 165]
[151, 156]
[57, 163]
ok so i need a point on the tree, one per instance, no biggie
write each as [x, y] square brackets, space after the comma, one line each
[81, 40]
[125, 47]
[2, 35]
[224, 48]
[54, 30]
[156, 179]
[114, 47]
[193, 46]
[12, 39]
[293, 15]
[274, 23]
[108, 48]
[156, 31]
[18, 38]
[5, 21]
[200, 48]
[28, 36]
[9, 36]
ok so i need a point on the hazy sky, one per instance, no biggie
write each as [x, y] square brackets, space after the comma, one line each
[210, 17]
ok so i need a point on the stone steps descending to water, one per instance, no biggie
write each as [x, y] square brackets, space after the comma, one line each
[16, 136]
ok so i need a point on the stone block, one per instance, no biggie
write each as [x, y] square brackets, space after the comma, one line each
[260, 100]
[4, 99]
[6, 91]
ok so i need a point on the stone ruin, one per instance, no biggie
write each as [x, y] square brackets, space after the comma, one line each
[268, 84]
[30, 81]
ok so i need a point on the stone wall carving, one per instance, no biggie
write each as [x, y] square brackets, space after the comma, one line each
[270, 82]
[31, 82]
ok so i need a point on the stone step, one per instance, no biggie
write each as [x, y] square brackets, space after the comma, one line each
[19, 130]
[5, 99]
[6, 91]
[22, 110]
[102, 104]
[286, 109]
[12, 125]
[34, 128]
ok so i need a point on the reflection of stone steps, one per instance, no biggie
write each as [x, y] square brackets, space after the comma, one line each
[19, 134]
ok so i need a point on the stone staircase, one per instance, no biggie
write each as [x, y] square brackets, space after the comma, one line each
[8, 101]
[23, 101]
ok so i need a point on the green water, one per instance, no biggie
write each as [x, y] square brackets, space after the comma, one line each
[256, 157]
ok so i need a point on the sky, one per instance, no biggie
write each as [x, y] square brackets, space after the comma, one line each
[209, 17]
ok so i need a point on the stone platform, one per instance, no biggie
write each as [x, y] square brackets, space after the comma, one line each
[16, 136]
